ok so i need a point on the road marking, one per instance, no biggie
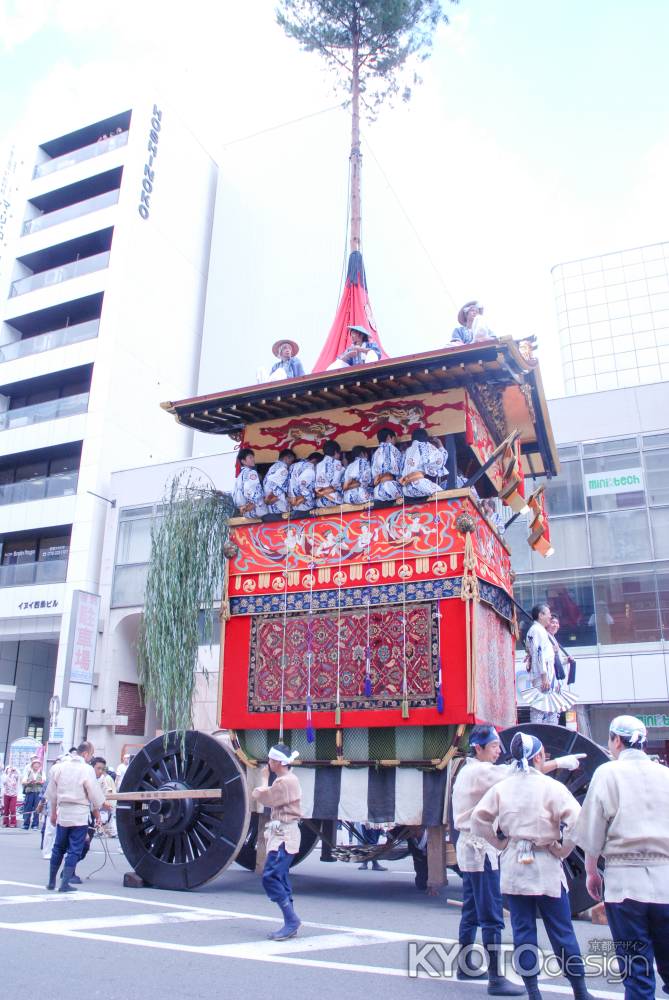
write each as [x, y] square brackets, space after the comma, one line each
[122, 920]
[258, 951]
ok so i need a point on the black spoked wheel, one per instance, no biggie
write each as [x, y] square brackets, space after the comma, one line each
[557, 742]
[247, 854]
[183, 843]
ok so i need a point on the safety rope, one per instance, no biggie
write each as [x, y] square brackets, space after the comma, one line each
[311, 735]
[283, 636]
[437, 615]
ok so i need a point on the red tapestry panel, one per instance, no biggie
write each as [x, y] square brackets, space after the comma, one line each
[495, 669]
[342, 664]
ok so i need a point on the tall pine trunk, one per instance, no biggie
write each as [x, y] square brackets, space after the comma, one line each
[356, 156]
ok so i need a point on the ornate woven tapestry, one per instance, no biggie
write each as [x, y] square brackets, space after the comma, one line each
[339, 660]
[495, 681]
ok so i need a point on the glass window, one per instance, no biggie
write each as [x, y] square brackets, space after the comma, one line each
[663, 595]
[32, 470]
[567, 451]
[658, 283]
[51, 549]
[581, 351]
[571, 598]
[15, 553]
[516, 538]
[66, 463]
[610, 480]
[655, 441]
[621, 327]
[619, 536]
[657, 475]
[569, 539]
[604, 363]
[607, 447]
[134, 540]
[628, 377]
[564, 495]
[626, 608]
[129, 585]
[585, 367]
[619, 308]
[659, 528]
[607, 380]
[599, 323]
[586, 384]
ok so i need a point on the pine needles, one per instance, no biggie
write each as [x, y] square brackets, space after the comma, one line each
[186, 574]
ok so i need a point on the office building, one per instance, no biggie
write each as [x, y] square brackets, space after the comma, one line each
[609, 578]
[104, 255]
[613, 319]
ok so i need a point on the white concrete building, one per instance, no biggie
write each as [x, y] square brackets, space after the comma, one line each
[105, 234]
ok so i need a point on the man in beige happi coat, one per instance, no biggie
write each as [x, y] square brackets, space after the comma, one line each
[532, 818]
[625, 818]
[478, 860]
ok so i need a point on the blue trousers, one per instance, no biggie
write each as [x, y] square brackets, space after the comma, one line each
[69, 844]
[640, 931]
[30, 801]
[275, 875]
[481, 906]
[556, 915]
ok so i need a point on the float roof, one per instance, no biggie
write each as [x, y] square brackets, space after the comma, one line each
[507, 389]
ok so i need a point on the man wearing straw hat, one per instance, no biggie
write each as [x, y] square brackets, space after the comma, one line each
[361, 350]
[624, 818]
[288, 365]
[282, 834]
[471, 326]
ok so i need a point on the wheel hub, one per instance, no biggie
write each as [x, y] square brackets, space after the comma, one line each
[173, 815]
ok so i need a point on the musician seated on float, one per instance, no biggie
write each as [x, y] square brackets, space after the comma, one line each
[247, 493]
[424, 465]
[362, 350]
[472, 325]
[287, 366]
[275, 485]
[302, 483]
[387, 467]
[330, 477]
[358, 477]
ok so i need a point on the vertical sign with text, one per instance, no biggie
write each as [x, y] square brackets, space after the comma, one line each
[81, 648]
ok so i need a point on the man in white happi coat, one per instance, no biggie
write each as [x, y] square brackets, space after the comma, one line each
[387, 467]
[532, 818]
[478, 860]
[625, 819]
[330, 477]
[275, 485]
[358, 477]
[541, 660]
[247, 493]
[302, 483]
[423, 466]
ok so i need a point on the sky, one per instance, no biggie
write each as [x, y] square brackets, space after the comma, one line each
[539, 134]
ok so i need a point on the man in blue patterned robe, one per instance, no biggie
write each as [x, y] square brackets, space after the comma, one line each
[302, 484]
[275, 485]
[358, 477]
[330, 477]
[387, 467]
[247, 493]
[422, 459]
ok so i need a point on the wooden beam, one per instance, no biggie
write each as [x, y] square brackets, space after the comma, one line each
[175, 793]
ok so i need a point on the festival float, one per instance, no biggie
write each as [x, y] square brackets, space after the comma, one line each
[369, 637]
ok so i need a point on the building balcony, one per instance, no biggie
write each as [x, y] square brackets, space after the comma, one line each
[53, 409]
[21, 574]
[55, 275]
[40, 488]
[74, 211]
[49, 341]
[75, 156]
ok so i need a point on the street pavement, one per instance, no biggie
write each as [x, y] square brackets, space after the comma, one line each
[359, 928]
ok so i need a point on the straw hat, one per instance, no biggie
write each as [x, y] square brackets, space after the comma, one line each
[462, 315]
[361, 329]
[278, 345]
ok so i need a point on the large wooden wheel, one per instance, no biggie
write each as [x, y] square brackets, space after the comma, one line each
[557, 742]
[183, 842]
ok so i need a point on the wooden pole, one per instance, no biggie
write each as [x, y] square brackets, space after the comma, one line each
[356, 156]
[168, 794]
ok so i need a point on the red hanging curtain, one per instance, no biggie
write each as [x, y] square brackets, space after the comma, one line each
[354, 310]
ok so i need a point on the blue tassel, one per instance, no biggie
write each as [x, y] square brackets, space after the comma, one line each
[440, 702]
[368, 687]
[311, 735]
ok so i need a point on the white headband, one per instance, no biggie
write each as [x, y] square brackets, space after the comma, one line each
[276, 754]
[630, 728]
